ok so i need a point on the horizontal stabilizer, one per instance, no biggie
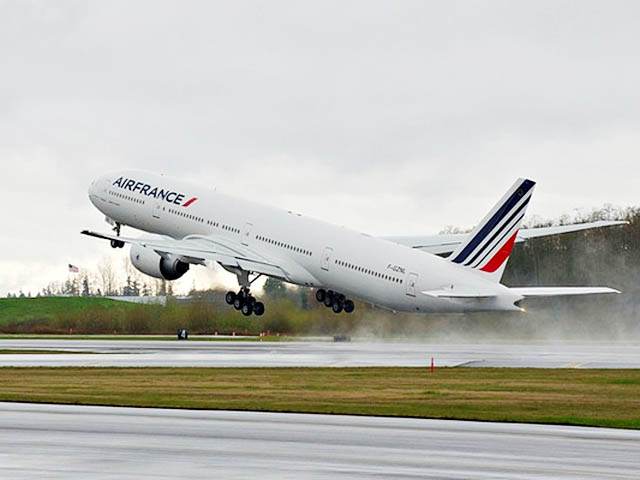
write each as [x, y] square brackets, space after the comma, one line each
[534, 292]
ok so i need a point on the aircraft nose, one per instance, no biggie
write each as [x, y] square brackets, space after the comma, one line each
[98, 185]
[95, 190]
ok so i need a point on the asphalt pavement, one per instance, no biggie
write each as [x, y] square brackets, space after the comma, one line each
[65, 442]
[138, 353]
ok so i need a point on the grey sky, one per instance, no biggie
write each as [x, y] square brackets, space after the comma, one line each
[388, 117]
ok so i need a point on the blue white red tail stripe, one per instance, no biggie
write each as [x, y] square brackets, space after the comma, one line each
[489, 245]
[507, 206]
[507, 234]
[508, 225]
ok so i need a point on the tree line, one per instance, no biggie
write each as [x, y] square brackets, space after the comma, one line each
[105, 281]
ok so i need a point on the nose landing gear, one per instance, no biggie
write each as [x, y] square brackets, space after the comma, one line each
[334, 300]
[117, 243]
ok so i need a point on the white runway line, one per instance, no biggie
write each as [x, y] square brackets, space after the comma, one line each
[55, 441]
[138, 353]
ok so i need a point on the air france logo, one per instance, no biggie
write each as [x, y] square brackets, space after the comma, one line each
[155, 192]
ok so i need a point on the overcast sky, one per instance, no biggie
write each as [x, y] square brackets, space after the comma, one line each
[390, 117]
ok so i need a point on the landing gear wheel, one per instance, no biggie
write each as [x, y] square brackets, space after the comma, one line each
[258, 308]
[243, 300]
[349, 306]
[238, 303]
[117, 244]
[247, 309]
[336, 307]
[230, 297]
[328, 301]
[321, 294]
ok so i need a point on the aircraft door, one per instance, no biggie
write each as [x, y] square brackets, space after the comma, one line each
[157, 208]
[246, 233]
[412, 281]
[326, 257]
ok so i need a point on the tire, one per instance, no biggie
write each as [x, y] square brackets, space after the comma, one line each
[230, 297]
[349, 306]
[115, 244]
[321, 294]
[258, 308]
[237, 303]
[328, 301]
[336, 307]
[247, 309]
[251, 300]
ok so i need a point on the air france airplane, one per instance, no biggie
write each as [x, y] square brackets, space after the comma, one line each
[187, 224]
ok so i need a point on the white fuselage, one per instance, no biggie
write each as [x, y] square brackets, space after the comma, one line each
[319, 254]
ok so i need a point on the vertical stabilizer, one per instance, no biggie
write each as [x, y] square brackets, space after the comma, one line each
[488, 246]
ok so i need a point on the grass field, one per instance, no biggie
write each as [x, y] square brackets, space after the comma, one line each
[22, 309]
[608, 398]
[96, 315]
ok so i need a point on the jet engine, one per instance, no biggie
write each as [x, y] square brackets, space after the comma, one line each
[152, 264]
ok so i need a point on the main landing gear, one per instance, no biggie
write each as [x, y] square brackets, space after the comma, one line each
[244, 301]
[334, 300]
[117, 243]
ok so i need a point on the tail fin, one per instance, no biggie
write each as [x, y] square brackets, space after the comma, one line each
[488, 246]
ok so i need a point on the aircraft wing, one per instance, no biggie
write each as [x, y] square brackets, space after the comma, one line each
[447, 243]
[197, 249]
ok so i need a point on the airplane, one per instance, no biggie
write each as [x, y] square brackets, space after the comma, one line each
[186, 224]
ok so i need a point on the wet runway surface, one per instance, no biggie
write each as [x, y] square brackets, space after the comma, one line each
[55, 441]
[138, 353]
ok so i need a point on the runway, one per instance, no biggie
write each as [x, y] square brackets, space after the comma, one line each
[147, 353]
[55, 441]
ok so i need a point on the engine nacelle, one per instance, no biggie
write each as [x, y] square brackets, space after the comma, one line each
[152, 264]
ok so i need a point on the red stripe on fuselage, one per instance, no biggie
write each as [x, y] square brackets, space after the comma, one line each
[501, 255]
[189, 202]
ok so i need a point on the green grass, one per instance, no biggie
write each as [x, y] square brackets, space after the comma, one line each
[42, 308]
[606, 398]
[95, 315]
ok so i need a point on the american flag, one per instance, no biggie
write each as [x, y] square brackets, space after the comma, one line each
[73, 269]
